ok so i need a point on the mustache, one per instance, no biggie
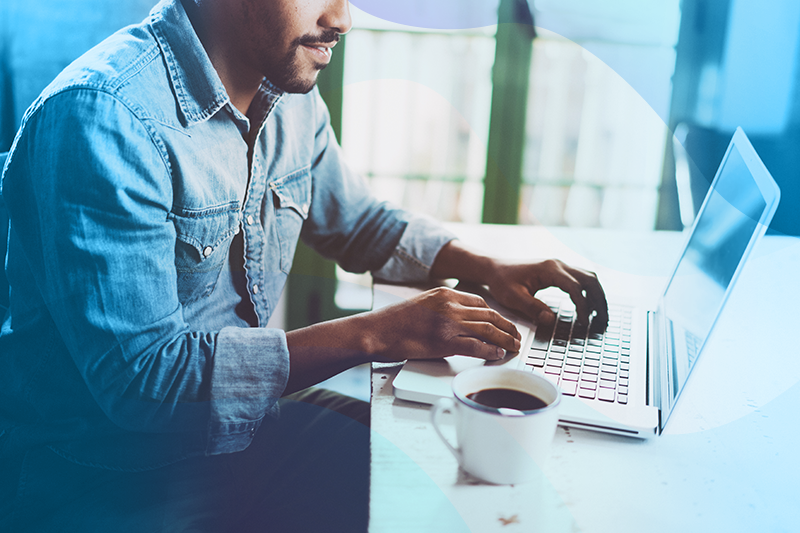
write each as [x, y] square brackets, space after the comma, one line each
[330, 36]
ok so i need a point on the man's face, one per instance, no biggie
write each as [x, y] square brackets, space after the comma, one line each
[290, 41]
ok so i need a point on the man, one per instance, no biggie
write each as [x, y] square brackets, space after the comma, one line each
[156, 191]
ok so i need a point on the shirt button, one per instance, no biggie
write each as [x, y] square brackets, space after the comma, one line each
[250, 220]
[255, 289]
[207, 251]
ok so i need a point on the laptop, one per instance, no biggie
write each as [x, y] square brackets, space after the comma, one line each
[626, 379]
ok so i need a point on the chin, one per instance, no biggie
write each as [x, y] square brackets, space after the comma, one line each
[299, 87]
[292, 82]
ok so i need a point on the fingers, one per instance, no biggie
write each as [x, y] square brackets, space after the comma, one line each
[517, 286]
[537, 310]
[595, 296]
[476, 348]
[471, 317]
[489, 333]
[583, 288]
[490, 316]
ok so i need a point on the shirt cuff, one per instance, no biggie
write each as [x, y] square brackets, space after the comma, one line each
[413, 257]
[249, 375]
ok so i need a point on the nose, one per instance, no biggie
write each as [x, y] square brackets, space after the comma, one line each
[336, 16]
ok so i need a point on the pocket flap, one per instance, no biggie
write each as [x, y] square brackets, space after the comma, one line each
[294, 191]
[206, 232]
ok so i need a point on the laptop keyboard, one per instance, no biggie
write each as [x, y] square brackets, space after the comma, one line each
[581, 358]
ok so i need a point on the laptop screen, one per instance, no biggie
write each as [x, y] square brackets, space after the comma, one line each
[731, 218]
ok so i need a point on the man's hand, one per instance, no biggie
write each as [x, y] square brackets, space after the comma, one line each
[438, 323]
[434, 324]
[515, 285]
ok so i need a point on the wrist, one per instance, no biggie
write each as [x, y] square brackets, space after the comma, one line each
[369, 341]
[457, 261]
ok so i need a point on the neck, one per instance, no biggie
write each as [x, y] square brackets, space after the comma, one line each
[240, 81]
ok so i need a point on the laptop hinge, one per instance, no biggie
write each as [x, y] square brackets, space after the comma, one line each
[653, 382]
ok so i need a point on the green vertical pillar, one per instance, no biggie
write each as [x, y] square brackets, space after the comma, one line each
[510, 75]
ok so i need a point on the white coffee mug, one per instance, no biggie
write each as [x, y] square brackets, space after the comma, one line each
[500, 445]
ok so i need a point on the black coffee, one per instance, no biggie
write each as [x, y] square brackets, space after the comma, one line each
[508, 398]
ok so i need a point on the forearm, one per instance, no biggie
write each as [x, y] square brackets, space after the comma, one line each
[433, 324]
[323, 350]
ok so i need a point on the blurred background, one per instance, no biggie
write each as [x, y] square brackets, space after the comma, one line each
[578, 113]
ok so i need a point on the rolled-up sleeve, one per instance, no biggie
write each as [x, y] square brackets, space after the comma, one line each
[413, 256]
[89, 190]
[243, 384]
[348, 224]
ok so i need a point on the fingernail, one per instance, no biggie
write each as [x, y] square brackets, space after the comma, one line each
[500, 353]
[517, 345]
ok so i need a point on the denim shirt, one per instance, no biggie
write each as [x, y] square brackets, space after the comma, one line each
[152, 229]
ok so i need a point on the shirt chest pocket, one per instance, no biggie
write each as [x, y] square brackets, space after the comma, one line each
[201, 247]
[292, 201]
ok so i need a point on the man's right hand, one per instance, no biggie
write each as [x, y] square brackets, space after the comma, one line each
[434, 324]
[438, 323]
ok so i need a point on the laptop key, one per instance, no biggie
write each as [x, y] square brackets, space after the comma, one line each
[588, 385]
[554, 370]
[553, 379]
[570, 388]
[622, 398]
[569, 376]
[623, 382]
[605, 384]
[589, 377]
[538, 354]
[622, 390]
[586, 393]
[608, 376]
[591, 370]
[535, 362]
[607, 395]
[623, 374]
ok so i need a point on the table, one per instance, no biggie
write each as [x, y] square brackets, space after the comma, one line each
[727, 460]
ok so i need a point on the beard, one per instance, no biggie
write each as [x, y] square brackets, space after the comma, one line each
[288, 77]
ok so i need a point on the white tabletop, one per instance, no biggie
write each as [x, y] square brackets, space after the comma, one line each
[727, 460]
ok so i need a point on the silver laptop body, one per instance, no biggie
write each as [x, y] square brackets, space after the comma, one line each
[664, 342]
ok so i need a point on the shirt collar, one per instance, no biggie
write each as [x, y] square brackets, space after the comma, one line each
[198, 89]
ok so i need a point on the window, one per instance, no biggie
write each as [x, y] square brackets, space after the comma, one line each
[594, 147]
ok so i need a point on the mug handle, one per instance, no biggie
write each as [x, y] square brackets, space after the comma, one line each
[441, 406]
